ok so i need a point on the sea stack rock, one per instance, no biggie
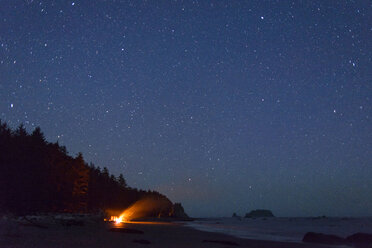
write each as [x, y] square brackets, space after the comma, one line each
[178, 211]
[360, 238]
[321, 238]
[259, 213]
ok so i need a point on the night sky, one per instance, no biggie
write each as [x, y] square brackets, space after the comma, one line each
[225, 106]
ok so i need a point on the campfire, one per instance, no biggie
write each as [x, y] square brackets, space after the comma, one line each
[125, 216]
[117, 219]
[148, 207]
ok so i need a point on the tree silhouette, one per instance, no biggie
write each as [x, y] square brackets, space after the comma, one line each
[121, 181]
[39, 176]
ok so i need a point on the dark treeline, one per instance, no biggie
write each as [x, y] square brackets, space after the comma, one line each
[39, 176]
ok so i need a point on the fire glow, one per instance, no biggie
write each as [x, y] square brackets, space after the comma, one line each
[142, 208]
[122, 218]
[118, 220]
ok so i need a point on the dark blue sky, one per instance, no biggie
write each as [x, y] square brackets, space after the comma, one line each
[225, 106]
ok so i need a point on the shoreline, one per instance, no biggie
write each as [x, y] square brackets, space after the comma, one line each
[144, 234]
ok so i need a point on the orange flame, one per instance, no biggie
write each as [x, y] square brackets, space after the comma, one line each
[140, 209]
[124, 216]
[119, 219]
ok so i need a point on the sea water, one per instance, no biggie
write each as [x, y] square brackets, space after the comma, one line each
[283, 229]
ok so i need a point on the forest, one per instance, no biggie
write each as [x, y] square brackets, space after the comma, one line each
[37, 176]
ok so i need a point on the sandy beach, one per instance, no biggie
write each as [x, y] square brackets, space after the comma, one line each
[144, 234]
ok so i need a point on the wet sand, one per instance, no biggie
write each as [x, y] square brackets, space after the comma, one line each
[144, 234]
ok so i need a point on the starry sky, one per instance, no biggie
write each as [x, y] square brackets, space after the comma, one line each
[225, 106]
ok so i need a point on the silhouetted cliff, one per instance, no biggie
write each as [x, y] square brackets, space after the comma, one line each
[39, 176]
[178, 211]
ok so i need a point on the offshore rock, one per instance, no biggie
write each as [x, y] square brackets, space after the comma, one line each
[259, 213]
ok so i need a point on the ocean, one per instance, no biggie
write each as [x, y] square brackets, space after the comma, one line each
[283, 229]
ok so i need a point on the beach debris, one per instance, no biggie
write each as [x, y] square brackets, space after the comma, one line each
[9, 227]
[31, 222]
